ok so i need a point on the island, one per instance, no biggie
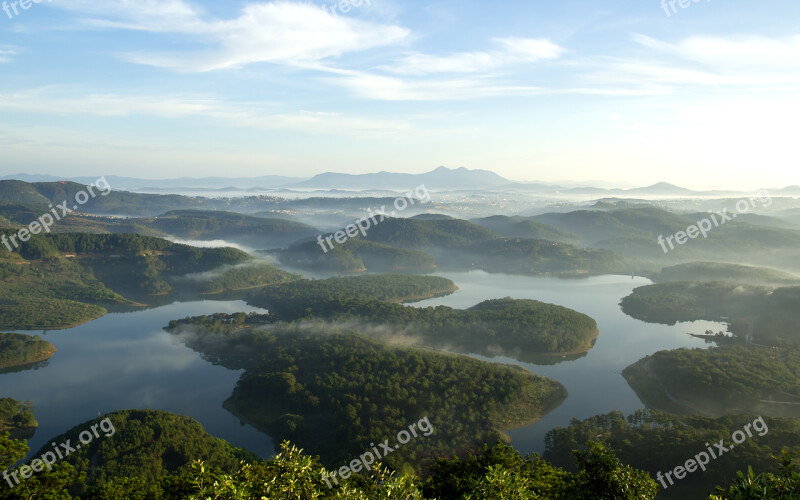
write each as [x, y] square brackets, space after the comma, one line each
[17, 350]
[17, 418]
[523, 329]
[333, 393]
[720, 380]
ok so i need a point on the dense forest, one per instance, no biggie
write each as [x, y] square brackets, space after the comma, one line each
[656, 442]
[51, 294]
[356, 255]
[334, 393]
[671, 302]
[144, 445]
[16, 415]
[248, 275]
[292, 298]
[518, 328]
[62, 280]
[193, 466]
[719, 380]
[17, 349]
[768, 315]
[718, 271]
[423, 244]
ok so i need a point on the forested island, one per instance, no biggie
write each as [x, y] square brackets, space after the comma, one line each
[334, 390]
[726, 272]
[247, 276]
[17, 349]
[763, 314]
[17, 419]
[524, 329]
[720, 380]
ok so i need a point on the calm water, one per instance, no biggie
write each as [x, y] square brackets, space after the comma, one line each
[126, 360]
[594, 382]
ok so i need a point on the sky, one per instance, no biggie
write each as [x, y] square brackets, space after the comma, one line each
[623, 92]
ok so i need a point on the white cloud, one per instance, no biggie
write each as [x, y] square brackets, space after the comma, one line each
[389, 88]
[741, 61]
[6, 53]
[277, 32]
[513, 51]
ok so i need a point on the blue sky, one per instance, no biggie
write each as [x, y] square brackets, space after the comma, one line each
[618, 92]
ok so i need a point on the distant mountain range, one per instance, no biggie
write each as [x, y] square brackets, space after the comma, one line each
[440, 179]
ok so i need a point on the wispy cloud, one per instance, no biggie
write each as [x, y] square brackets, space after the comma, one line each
[275, 32]
[512, 50]
[6, 53]
[702, 61]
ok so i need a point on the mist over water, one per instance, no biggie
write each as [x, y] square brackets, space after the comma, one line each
[594, 382]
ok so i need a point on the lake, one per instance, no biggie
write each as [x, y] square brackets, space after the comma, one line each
[126, 360]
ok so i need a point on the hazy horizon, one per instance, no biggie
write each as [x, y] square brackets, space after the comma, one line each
[631, 92]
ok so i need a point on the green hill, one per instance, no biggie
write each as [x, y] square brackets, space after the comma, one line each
[718, 271]
[62, 280]
[143, 445]
[356, 255]
[522, 227]
[334, 392]
[721, 380]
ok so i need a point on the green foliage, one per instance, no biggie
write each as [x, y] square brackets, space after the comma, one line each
[146, 445]
[17, 349]
[356, 255]
[602, 476]
[719, 271]
[656, 441]
[248, 276]
[14, 414]
[336, 393]
[671, 302]
[520, 328]
[785, 485]
[524, 227]
[497, 473]
[292, 299]
[721, 379]
[62, 292]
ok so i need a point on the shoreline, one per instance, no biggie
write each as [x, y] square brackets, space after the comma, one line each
[39, 359]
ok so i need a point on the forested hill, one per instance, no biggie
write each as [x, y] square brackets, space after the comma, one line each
[719, 271]
[62, 280]
[143, 445]
[332, 392]
[655, 442]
